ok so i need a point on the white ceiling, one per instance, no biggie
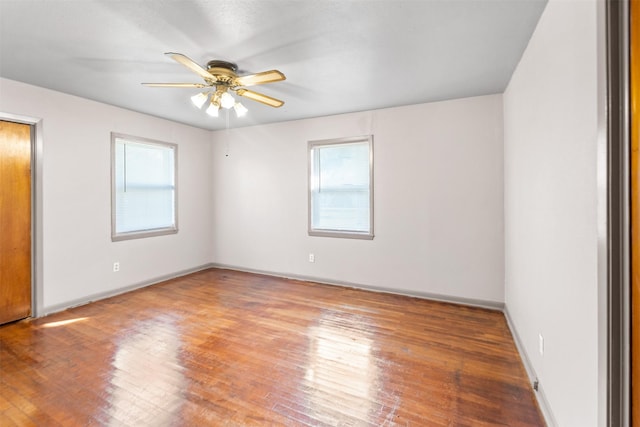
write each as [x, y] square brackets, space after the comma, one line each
[338, 56]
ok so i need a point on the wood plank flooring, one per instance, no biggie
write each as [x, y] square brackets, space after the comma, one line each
[226, 348]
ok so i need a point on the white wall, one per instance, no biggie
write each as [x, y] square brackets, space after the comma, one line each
[78, 252]
[438, 199]
[438, 179]
[550, 113]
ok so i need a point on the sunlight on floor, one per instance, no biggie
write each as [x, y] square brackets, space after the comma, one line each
[63, 322]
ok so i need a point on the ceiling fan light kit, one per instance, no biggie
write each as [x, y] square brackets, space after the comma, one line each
[220, 79]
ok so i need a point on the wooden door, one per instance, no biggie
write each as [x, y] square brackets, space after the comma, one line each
[15, 221]
[635, 211]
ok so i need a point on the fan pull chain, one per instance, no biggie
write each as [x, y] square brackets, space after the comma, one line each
[226, 136]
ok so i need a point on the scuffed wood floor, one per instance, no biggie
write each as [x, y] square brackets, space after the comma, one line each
[226, 348]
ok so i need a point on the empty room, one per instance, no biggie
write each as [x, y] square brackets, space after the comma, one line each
[318, 213]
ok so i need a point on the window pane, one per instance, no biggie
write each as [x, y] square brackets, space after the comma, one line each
[144, 189]
[344, 165]
[340, 187]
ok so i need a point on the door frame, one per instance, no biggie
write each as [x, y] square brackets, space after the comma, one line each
[614, 172]
[634, 217]
[36, 128]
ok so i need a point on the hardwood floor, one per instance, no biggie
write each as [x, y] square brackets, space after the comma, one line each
[225, 348]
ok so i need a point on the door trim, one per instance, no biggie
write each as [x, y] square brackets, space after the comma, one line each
[614, 181]
[634, 196]
[37, 291]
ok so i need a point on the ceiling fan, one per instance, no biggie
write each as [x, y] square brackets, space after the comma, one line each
[220, 78]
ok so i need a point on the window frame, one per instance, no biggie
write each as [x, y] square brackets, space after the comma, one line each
[348, 234]
[139, 234]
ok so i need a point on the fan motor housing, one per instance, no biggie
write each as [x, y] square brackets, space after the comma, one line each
[224, 71]
[216, 63]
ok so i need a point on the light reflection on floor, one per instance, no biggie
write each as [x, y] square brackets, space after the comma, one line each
[147, 380]
[341, 374]
[63, 322]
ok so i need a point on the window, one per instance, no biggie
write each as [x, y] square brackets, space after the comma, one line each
[143, 190]
[341, 187]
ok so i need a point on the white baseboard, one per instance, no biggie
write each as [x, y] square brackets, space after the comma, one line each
[543, 403]
[102, 295]
[491, 305]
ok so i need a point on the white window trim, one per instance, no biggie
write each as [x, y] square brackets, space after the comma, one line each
[139, 234]
[339, 233]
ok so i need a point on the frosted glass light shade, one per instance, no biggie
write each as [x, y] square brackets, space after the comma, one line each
[212, 110]
[241, 110]
[199, 99]
[226, 100]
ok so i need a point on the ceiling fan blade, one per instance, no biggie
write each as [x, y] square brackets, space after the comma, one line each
[272, 102]
[193, 66]
[259, 78]
[198, 85]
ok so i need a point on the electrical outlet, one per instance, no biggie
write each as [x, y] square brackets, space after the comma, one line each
[312, 258]
[116, 267]
[541, 344]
